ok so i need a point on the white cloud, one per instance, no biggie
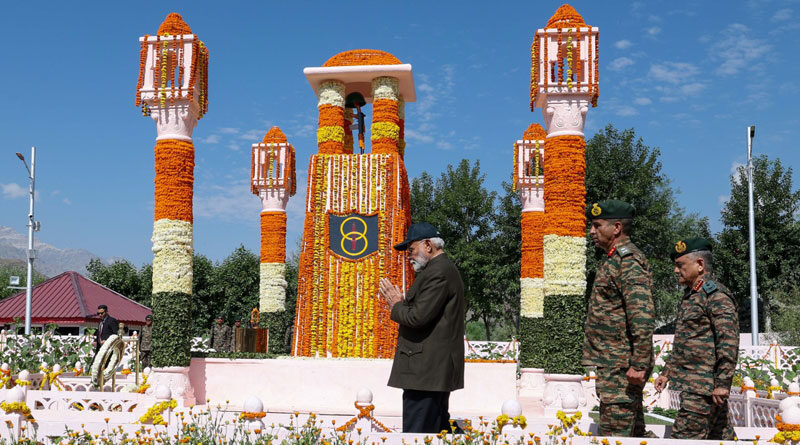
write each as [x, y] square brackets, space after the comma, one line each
[414, 135]
[723, 199]
[626, 110]
[13, 190]
[620, 63]
[229, 130]
[782, 14]
[211, 139]
[642, 101]
[228, 202]
[654, 31]
[692, 88]
[234, 146]
[673, 72]
[255, 135]
[736, 50]
[66, 201]
[623, 44]
[735, 166]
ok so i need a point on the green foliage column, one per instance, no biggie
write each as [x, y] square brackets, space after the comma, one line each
[172, 331]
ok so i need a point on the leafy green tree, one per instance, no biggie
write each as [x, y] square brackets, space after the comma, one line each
[460, 206]
[207, 301]
[776, 204]
[236, 283]
[19, 269]
[502, 272]
[620, 166]
[123, 277]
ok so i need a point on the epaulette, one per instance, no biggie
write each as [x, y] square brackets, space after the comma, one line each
[624, 251]
[710, 287]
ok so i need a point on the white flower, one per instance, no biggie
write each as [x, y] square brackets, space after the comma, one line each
[331, 93]
[564, 265]
[385, 88]
[532, 297]
[272, 287]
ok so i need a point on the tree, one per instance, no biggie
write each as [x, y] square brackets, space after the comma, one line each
[9, 268]
[503, 273]
[461, 208]
[123, 277]
[207, 301]
[236, 283]
[620, 166]
[775, 204]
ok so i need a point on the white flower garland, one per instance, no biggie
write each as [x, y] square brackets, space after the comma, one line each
[113, 346]
[564, 265]
[272, 287]
[172, 256]
[385, 88]
[532, 297]
[331, 93]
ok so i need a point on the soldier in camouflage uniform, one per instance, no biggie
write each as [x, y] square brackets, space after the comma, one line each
[146, 342]
[619, 322]
[221, 336]
[706, 346]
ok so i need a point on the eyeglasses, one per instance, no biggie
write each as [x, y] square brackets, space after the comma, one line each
[101, 312]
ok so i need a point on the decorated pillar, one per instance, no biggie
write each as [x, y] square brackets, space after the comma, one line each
[173, 91]
[331, 131]
[385, 117]
[529, 181]
[564, 85]
[272, 178]
[357, 208]
[401, 115]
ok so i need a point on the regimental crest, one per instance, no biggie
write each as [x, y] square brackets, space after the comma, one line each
[353, 236]
[596, 210]
[680, 247]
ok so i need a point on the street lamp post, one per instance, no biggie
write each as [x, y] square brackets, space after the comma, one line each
[33, 225]
[751, 133]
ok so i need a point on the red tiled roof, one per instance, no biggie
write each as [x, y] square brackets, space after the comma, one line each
[72, 299]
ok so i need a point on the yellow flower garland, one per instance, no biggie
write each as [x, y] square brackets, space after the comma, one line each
[153, 414]
[18, 408]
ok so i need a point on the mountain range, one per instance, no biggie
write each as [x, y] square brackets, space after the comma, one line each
[50, 260]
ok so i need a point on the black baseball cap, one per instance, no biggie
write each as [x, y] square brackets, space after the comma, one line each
[417, 232]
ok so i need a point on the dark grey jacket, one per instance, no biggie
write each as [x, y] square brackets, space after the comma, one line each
[430, 341]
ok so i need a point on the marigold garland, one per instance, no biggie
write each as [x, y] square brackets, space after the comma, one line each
[338, 307]
[331, 132]
[154, 413]
[564, 189]
[168, 60]
[18, 408]
[533, 229]
[362, 57]
[273, 237]
[385, 130]
[174, 179]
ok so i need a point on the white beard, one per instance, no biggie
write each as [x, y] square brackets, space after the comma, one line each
[418, 264]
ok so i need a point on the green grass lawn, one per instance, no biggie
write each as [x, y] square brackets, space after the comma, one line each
[650, 420]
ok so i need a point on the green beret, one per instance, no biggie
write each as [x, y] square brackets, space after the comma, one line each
[610, 209]
[689, 245]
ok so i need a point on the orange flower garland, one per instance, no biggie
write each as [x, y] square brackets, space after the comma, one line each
[168, 59]
[565, 17]
[362, 57]
[564, 189]
[174, 180]
[533, 228]
[273, 237]
[385, 115]
[338, 307]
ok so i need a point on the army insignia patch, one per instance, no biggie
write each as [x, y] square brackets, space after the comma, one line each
[353, 236]
[680, 247]
[596, 210]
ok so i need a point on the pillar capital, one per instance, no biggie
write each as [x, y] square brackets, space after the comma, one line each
[175, 121]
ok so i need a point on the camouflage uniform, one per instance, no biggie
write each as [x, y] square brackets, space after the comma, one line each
[618, 335]
[146, 345]
[221, 338]
[704, 357]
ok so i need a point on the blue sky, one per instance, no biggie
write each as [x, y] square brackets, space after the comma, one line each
[688, 76]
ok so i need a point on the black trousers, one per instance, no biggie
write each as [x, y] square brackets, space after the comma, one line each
[426, 411]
